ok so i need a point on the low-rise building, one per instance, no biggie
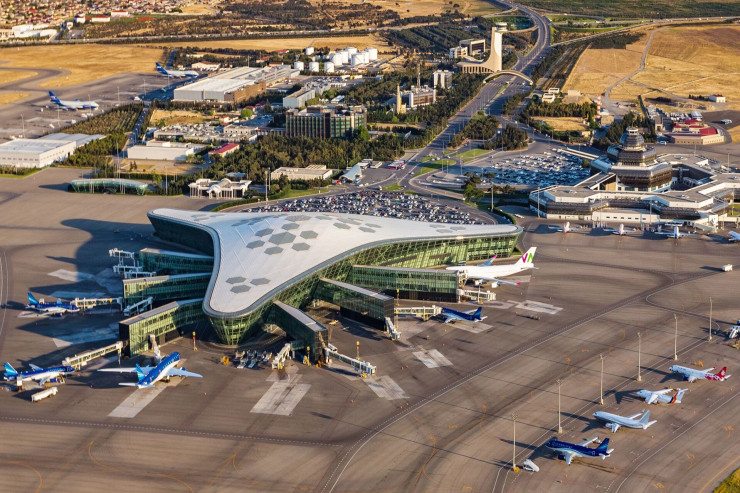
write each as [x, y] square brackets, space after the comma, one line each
[299, 98]
[224, 150]
[219, 189]
[458, 52]
[42, 152]
[311, 172]
[474, 46]
[205, 66]
[717, 98]
[442, 78]
[163, 151]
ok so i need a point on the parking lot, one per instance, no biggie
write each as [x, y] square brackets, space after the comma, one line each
[548, 168]
[377, 203]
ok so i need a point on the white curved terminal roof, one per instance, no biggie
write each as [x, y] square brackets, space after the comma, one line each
[258, 254]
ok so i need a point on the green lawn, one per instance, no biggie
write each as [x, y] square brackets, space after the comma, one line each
[434, 166]
[393, 188]
[472, 153]
[426, 158]
[731, 484]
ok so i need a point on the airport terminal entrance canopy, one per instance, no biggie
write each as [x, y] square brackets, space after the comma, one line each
[257, 255]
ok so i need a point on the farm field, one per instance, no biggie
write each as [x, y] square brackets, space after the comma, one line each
[83, 63]
[8, 76]
[563, 123]
[11, 97]
[274, 44]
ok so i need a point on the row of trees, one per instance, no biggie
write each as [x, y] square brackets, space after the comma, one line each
[119, 119]
[480, 127]
[510, 139]
[536, 107]
[616, 130]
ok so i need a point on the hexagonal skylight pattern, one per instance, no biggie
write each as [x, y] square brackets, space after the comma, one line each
[235, 280]
[349, 220]
[294, 219]
[264, 232]
[366, 229]
[309, 235]
[299, 247]
[260, 281]
[255, 244]
[281, 238]
[273, 250]
[240, 289]
[290, 226]
[342, 226]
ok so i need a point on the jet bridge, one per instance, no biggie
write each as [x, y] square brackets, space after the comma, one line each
[391, 328]
[80, 360]
[421, 311]
[362, 366]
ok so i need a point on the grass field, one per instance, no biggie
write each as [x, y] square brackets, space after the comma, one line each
[176, 116]
[564, 123]
[11, 97]
[472, 153]
[431, 7]
[84, 63]
[731, 484]
[598, 69]
[395, 187]
[199, 9]
[638, 8]
[274, 44]
[8, 76]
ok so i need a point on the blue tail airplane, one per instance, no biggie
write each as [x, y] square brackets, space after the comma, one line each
[451, 315]
[43, 375]
[149, 375]
[58, 308]
[568, 451]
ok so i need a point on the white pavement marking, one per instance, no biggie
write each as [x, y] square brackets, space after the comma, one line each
[136, 402]
[475, 328]
[501, 305]
[100, 363]
[110, 332]
[281, 398]
[68, 275]
[432, 358]
[386, 388]
[536, 306]
[519, 278]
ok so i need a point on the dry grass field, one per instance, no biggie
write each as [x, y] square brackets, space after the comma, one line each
[564, 123]
[84, 63]
[274, 44]
[8, 76]
[199, 9]
[430, 7]
[11, 97]
[176, 116]
[598, 69]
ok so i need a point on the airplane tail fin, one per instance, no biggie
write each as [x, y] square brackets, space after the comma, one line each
[53, 97]
[527, 258]
[679, 395]
[489, 261]
[139, 372]
[722, 372]
[478, 312]
[32, 299]
[603, 446]
[645, 420]
[161, 69]
[9, 370]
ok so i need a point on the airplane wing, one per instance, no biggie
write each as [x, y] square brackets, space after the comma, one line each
[556, 228]
[588, 442]
[734, 236]
[43, 381]
[692, 379]
[35, 367]
[496, 279]
[569, 457]
[182, 372]
[652, 398]
[635, 416]
[145, 369]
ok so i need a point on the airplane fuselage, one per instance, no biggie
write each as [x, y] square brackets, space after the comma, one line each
[159, 371]
[42, 374]
[577, 450]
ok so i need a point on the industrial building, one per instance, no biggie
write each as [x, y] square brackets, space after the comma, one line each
[419, 96]
[324, 122]
[42, 152]
[233, 86]
[163, 151]
[632, 183]
[299, 98]
[310, 172]
[266, 267]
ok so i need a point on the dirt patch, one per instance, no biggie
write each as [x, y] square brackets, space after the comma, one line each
[274, 44]
[177, 116]
[564, 123]
[8, 76]
[12, 97]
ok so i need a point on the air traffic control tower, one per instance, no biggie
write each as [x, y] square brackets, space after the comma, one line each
[248, 261]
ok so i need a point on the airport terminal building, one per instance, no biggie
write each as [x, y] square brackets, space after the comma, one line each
[253, 260]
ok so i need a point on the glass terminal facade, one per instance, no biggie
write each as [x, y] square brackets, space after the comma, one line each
[412, 284]
[109, 185]
[163, 322]
[165, 288]
[313, 336]
[355, 302]
[166, 262]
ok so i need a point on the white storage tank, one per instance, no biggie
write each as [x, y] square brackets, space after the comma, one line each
[328, 67]
[365, 57]
[336, 59]
[372, 53]
[313, 67]
[309, 51]
[351, 50]
[357, 59]
[298, 65]
[345, 56]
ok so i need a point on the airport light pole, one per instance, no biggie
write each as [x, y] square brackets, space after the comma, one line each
[601, 386]
[639, 348]
[560, 428]
[710, 319]
[514, 417]
[675, 340]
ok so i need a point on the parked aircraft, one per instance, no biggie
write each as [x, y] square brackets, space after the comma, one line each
[58, 308]
[566, 228]
[73, 105]
[692, 374]
[176, 73]
[675, 234]
[451, 315]
[615, 421]
[42, 375]
[568, 451]
[622, 231]
[495, 272]
[661, 396]
[734, 237]
[148, 375]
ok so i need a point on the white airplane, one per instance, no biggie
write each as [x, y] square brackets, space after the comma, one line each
[622, 231]
[566, 228]
[42, 375]
[734, 237]
[675, 234]
[693, 375]
[661, 396]
[615, 421]
[176, 73]
[73, 105]
[149, 375]
[569, 451]
[495, 272]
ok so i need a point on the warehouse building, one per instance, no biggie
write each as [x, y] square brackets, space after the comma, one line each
[42, 152]
[310, 172]
[163, 151]
[233, 86]
[299, 98]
